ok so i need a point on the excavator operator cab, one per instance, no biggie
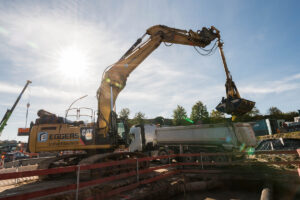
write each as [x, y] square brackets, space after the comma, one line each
[123, 132]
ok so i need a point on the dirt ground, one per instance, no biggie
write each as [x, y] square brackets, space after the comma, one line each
[295, 135]
[219, 194]
[11, 186]
[11, 183]
[21, 169]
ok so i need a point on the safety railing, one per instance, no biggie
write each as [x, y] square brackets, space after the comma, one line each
[173, 168]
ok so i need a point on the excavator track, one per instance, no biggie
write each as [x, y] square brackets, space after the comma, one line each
[61, 161]
[84, 159]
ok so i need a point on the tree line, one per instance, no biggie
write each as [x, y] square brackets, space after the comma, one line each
[200, 115]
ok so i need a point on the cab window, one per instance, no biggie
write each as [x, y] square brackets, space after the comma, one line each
[131, 137]
[121, 130]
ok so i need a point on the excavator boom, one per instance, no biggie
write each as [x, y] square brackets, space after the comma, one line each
[115, 77]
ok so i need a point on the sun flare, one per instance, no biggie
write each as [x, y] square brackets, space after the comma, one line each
[72, 62]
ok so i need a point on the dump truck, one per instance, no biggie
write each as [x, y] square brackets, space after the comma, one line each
[157, 141]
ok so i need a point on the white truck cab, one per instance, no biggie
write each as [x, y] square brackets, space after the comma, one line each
[136, 137]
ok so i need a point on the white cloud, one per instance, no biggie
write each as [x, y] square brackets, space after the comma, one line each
[9, 88]
[269, 89]
[39, 91]
[278, 86]
[157, 87]
[34, 43]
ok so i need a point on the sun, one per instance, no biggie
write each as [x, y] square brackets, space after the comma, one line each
[72, 62]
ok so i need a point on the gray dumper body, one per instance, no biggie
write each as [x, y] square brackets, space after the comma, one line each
[195, 138]
[222, 135]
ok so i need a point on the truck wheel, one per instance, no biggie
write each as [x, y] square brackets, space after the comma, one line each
[221, 159]
[163, 160]
[188, 159]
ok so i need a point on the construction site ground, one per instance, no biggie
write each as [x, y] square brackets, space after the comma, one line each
[295, 135]
[234, 182]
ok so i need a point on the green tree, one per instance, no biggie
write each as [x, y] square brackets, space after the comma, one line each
[124, 114]
[199, 113]
[254, 112]
[216, 114]
[179, 116]
[274, 111]
[289, 116]
[139, 118]
[159, 120]
[217, 117]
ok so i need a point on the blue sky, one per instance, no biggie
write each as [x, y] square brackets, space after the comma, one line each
[261, 48]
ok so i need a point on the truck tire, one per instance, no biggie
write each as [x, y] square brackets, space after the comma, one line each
[188, 159]
[164, 160]
[220, 159]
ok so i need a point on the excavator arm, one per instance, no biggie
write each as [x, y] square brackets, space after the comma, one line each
[115, 76]
[233, 104]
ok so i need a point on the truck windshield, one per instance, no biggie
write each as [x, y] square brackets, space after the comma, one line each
[131, 137]
[121, 130]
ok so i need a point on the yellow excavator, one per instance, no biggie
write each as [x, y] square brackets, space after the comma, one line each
[101, 139]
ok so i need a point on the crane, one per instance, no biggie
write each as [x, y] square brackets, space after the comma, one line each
[10, 111]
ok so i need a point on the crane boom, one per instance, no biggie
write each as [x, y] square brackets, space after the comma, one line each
[10, 111]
